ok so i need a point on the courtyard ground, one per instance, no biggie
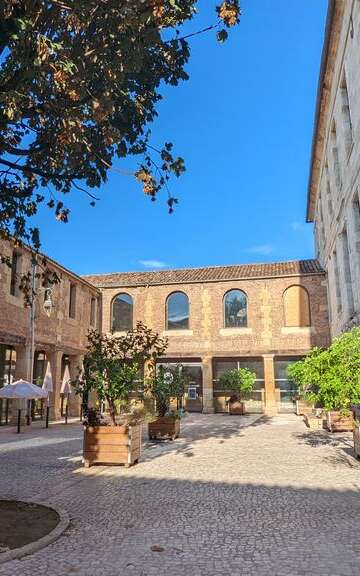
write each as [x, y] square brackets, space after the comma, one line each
[242, 496]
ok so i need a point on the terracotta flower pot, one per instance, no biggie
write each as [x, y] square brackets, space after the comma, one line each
[338, 422]
[112, 445]
[164, 427]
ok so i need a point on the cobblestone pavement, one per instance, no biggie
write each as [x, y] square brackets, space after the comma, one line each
[260, 498]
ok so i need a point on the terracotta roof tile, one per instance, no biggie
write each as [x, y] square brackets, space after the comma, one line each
[208, 274]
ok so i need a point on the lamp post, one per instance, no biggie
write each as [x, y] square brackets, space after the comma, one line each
[48, 306]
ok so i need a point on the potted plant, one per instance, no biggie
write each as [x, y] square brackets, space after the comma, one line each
[112, 366]
[237, 382]
[166, 384]
[331, 378]
[356, 434]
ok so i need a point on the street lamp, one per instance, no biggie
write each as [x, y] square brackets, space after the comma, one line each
[48, 306]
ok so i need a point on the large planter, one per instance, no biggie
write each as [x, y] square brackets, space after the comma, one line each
[313, 422]
[303, 408]
[337, 422]
[163, 428]
[112, 445]
[236, 408]
[356, 433]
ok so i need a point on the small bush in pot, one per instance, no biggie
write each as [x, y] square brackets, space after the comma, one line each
[112, 366]
[331, 378]
[238, 382]
[166, 384]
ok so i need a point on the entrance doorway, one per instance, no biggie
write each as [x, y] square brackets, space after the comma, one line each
[286, 389]
[7, 376]
[193, 398]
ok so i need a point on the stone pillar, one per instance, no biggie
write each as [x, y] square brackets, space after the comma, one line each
[55, 359]
[22, 369]
[270, 392]
[75, 399]
[208, 396]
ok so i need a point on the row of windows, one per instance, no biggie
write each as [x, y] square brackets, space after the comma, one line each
[235, 310]
[14, 290]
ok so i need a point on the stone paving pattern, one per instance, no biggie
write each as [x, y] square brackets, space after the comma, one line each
[242, 496]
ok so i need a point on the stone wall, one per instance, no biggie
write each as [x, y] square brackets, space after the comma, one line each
[266, 335]
[58, 335]
[334, 196]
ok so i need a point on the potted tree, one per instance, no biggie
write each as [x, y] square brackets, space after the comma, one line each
[331, 378]
[166, 384]
[112, 366]
[237, 382]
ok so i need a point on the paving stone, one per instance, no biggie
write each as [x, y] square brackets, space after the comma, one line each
[243, 496]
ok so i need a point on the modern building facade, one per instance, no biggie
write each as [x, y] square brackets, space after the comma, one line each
[334, 184]
[60, 337]
[260, 316]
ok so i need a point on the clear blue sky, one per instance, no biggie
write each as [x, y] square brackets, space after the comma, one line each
[244, 124]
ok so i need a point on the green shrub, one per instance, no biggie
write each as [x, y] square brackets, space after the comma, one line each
[331, 377]
[238, 381]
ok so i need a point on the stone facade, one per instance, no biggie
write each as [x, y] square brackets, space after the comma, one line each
[58, 337]
[334, 186]
[266, 337]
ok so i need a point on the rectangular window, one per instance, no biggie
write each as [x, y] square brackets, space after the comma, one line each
[254, 401]
[14, 272]
[337, 281]
[93, 312]
[356, 220]
[347, 272]
[345, 109]
[72, 301]
[335, 156]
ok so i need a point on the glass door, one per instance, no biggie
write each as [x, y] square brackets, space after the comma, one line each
[286, 389]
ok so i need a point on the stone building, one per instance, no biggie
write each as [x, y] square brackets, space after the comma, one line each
[60, 337]
[334, 184]
[260, 316]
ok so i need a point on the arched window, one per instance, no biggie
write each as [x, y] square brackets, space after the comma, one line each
[177, 311]
[296, 307]
[235, 309]
[122, 313]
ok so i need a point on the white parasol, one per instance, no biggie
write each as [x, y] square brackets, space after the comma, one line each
[66, 382]
[22, 390]
[48, 381]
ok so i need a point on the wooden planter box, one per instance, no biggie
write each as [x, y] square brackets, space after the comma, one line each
[356, 433]
[163, 428]
[313, 422]
[112, 445]
[303, 408]
[336, 422]
[236, 408]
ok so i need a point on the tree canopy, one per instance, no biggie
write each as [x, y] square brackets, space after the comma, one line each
[331, 377]
[79, 84]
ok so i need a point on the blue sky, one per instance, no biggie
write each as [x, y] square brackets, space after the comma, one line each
[243, 123]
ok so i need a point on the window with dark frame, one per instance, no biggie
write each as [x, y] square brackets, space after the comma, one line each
[72, 301]
[235, 309]
[177, 311]
[93, 312]
[122, 313]
[14, 270]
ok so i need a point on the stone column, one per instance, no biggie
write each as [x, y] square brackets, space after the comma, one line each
[21, 372]
[270, 392]
[75, 399]
[55, 359]
[208, 396]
